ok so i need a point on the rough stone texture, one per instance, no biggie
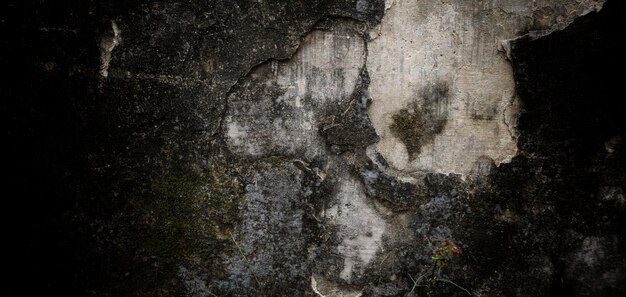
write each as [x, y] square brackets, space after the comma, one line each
[314, 148]
[272, 229]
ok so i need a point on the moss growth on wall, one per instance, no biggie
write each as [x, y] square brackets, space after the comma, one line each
[418, 123]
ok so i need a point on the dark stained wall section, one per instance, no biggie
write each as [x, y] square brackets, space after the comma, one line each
[123, 185]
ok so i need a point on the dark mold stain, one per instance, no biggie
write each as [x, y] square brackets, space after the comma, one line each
[350, 129]
[418, 123]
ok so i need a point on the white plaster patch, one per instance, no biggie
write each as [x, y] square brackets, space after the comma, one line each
[238, 135]
[421, 42]
[361, 227]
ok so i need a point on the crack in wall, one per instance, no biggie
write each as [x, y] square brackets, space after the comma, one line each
[315, 26]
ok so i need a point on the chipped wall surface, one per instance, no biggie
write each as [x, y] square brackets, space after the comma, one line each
[278, 107]
[316, 148]
[442, 98]
[281, 107]
[422, 44]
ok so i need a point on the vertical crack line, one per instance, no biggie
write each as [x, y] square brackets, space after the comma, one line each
[512, 133]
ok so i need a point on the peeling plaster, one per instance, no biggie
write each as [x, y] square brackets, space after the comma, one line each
[277, 108]
[420, 42]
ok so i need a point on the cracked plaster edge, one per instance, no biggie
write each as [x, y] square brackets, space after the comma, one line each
[377, 30]
[505, 45]
[294, 51]
[512, 107]
[337, 290]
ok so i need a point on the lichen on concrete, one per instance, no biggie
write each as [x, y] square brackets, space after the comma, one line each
[271, 234]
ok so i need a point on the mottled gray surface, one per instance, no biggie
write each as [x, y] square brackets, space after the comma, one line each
[258, 148]
[272, 231]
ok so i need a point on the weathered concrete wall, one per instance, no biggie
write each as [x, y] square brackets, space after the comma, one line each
[316, 148]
